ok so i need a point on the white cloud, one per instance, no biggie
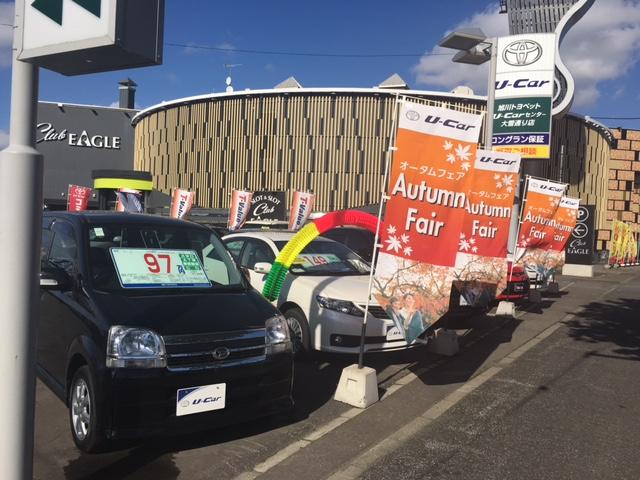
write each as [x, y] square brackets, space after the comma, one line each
[115, 104]
[6, 33]
[439, 71]
[602, 46]
[4, 139]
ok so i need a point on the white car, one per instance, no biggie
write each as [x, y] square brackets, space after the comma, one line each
[324, 294]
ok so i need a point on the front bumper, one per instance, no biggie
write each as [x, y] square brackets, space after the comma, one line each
[143, 402]
[338, 332]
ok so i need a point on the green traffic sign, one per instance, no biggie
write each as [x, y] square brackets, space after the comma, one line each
[53, 8]
[530, 114]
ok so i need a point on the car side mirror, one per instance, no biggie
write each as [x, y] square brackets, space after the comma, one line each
[262, 267]
[54, 280]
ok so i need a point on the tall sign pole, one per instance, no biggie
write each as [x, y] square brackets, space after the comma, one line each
[21, 217]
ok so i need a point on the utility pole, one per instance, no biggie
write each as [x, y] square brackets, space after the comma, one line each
[21, 170]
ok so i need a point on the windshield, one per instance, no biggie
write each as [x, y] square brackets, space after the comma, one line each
[151, 256]
[322, 257]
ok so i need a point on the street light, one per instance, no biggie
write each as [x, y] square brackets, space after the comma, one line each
[475, 48]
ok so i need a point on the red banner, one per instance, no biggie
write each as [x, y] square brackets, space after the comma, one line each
[78, 198]
[538, 226]
[481, 266]
[181, 202]
[301, 208]
[435, 151]
[541, 201]
[563, 223]
[240, 206]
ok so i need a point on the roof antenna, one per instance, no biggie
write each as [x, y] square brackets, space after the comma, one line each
[229, 66]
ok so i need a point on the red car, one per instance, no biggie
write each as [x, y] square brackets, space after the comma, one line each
[517, 286]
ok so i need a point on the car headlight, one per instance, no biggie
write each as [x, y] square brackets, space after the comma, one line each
[342, 306]
[277, 336]
[129, 347]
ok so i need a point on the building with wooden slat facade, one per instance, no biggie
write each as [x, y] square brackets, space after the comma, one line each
[332, 142]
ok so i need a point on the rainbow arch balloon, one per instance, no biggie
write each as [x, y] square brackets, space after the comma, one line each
[292, 249]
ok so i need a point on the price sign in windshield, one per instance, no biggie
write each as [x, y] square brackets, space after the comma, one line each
[154, 268]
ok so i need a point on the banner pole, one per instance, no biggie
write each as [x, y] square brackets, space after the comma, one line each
[374, 258]
[519, 224]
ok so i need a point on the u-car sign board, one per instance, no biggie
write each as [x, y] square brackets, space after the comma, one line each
[75, 37]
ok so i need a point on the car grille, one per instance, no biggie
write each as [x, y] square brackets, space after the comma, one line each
[193, 352]
[376, 310]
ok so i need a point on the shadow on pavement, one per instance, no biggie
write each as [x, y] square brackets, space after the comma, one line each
[315, 382]
[614, 321]
[477, 344]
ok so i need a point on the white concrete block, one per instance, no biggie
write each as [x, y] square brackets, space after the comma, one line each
[445, 342]
[577, 270]
[357, 387]
[506, 309]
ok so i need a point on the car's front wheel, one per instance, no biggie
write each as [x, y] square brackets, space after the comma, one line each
[84, 415]
[299, 329]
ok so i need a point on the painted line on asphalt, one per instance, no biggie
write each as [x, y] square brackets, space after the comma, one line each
[426, 418]
[361, 463]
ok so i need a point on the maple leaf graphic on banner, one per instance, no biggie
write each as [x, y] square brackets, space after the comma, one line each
[405, 238]
[447, 145]
[451, 158]
[391, 230]
[464, 245]
[465, 166]
[394, 244]
[463, 153]
[408, 251]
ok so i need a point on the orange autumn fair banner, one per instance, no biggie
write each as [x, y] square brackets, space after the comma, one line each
[435, 151]
[481, 266]
[538, 226]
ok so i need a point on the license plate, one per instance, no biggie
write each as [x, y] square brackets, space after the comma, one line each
[200, 399]
[394, 333]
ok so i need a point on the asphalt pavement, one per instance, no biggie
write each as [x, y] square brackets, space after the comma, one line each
[551, 393]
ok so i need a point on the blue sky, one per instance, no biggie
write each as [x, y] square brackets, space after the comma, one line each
[602, 51]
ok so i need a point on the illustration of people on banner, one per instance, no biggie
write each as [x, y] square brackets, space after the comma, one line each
[436, 149]
[481, 267]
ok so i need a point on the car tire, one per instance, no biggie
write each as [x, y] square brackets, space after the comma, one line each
[299, 330]
[85, 416]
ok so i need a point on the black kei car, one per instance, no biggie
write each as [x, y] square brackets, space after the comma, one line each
[147, 326]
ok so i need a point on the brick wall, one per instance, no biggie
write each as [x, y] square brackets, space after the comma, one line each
[623, 193]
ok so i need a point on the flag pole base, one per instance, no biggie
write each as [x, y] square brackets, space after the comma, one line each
[506, 309]
[357, 387]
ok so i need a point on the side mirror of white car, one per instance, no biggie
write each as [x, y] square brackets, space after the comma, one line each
[262, 267]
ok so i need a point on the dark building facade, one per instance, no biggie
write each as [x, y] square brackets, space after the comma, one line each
[77, 139]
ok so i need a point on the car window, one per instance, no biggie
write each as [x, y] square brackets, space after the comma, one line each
[235, 246]
[64, 248]
[326, 257]
[214, 258]
[256, 251]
